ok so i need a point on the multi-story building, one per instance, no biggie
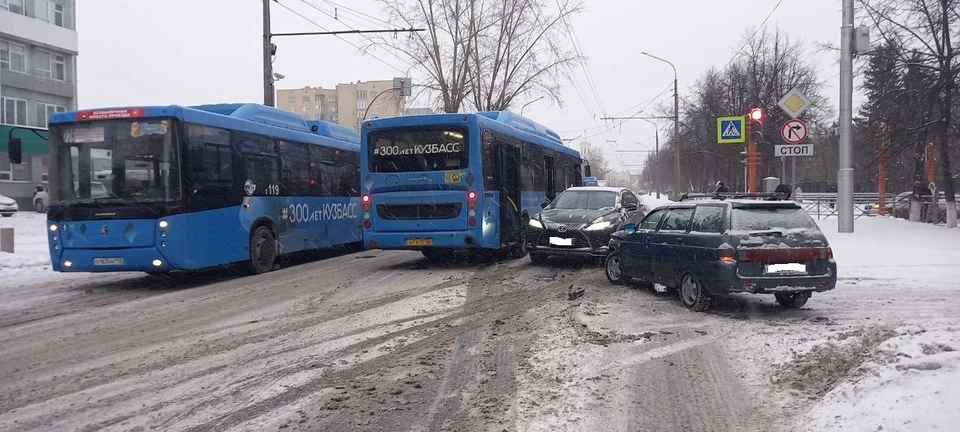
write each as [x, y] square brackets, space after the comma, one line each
[38, 76]
[313, 103]
[347, 104]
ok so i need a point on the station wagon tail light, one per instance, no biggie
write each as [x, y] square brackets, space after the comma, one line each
[826, 253]
[726, 255]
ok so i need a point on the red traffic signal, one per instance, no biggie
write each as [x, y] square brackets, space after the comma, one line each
[756, 115]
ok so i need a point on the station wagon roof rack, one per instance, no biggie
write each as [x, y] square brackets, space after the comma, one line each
[727, 195]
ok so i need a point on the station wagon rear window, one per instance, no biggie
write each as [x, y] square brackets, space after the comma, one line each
[768, 218]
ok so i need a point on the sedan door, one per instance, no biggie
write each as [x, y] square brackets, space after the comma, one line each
[667, 246]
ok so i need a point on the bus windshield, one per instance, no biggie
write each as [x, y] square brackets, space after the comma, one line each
[418, 149]
[117, 160]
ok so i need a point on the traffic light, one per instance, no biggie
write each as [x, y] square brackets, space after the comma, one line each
[745, 159]
[756, 115]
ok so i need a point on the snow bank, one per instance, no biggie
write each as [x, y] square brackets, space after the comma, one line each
[30, 242]
[910, 382]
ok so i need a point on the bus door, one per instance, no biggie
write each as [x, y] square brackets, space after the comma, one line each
[551, 177]
[505, 167]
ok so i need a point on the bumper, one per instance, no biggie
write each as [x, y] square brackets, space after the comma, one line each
[735, 283]
[134, 259]
[582, 243]
[438, 239]
[585, 252]
[8, 209]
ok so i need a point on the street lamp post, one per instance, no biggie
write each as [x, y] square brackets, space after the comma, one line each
[528, 103]
[656, 163]
[676, 121]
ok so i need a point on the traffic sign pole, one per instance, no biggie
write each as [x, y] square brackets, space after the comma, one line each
[752, 157]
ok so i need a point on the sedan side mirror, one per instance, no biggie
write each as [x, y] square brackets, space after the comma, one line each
[630, 228]
[544, 204]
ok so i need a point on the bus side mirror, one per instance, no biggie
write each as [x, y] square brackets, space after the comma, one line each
[15, 151]
[586, 171]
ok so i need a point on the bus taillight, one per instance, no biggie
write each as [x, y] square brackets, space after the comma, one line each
[367, 224]
[366, 202]
[471, 199]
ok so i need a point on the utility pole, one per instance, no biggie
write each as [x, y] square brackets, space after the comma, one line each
[845, 174]
[676, 132]
[268, 93]
[269, 49]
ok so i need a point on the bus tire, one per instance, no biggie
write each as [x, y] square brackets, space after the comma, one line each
[263, 250]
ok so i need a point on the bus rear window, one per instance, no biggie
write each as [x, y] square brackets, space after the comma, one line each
[418, 149]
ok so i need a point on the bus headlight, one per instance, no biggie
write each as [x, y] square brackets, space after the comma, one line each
[163, 224]
[157, 263]
[536, 224]
[53, 227]
[68, 263]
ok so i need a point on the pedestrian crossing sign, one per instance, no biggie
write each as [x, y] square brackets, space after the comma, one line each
[730, 130]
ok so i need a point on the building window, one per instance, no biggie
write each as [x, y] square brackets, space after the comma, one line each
[291, 99]
[15, 6]
[43, 64]
[58, 14]
[13, 57]
[14, 111]
[59, 67]
[306, 98]
[44, 110]
[18, 172]
[318, 98]
[304, 109]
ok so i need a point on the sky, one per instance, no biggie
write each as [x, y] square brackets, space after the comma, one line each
[187, 52]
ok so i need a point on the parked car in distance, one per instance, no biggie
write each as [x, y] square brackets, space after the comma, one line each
[714, 247]
[8, 206]
[41, 195]
[580, 220]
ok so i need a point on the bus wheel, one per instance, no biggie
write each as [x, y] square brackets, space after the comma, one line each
[520, 250]
[263, 250]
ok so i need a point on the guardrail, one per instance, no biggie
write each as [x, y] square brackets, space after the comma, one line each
[824, 205]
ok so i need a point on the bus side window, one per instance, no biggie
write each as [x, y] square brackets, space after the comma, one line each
[549, 169]
[295, 170]
[324, 169]
[349, 164]
[490, 163]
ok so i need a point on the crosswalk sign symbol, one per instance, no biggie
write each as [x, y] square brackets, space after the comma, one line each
[730, 130]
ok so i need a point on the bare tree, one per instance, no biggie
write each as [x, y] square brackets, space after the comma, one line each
[928, 32]
[485, 53]
[593, 155]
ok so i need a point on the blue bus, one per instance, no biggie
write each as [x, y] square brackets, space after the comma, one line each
[195, 187]
[442, 182]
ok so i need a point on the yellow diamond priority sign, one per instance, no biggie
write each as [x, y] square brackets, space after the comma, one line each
[794, 103]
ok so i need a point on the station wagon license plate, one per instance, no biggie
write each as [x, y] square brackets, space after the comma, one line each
[559, 241]
[419, 242]
[785, 269]
[107, 261]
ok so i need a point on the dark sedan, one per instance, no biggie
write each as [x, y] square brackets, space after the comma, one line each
[580, 220]
[710, 248]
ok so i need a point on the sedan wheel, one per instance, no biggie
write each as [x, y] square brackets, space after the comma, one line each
[692, 294]
[613, 269]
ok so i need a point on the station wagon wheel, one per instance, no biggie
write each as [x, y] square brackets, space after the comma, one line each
[613, 269]
[263, 250]
[692, 294]
[794, 300]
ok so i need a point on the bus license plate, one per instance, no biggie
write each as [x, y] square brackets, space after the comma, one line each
[419, 242]
[108, 261]
[558, 241]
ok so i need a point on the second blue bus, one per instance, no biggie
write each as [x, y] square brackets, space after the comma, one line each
[442, 182]
[166, 188]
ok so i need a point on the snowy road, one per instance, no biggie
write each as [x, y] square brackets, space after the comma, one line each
[381, 341]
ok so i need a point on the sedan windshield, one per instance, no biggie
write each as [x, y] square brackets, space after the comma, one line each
[586, 200]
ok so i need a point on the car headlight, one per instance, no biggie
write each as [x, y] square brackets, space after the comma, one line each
[536, 224]
[598, 226]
